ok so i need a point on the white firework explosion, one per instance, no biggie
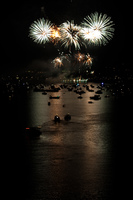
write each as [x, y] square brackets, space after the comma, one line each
[97, 29]
[41, 31]
[57, 62]
[70, 35]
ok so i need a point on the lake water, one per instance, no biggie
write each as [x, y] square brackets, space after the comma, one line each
[84, 158]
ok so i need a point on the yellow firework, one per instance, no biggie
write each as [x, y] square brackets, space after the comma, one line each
[55, 34]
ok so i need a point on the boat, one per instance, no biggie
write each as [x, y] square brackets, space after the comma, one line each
[99, 92]
[79, 97]
[80, 91]
[49, 103]
[96, 97]
[70, 88]
[107, 96]
[90, 102]
[54, 97]
[57, 118]
[67, 117]
[51, 90]
[92, 86]
[33, 132]
[90, 90]
[44, 93]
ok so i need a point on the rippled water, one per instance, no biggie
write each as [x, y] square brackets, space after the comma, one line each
[70, 160]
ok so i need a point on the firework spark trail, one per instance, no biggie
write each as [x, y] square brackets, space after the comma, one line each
[97, 28]
[41, 31]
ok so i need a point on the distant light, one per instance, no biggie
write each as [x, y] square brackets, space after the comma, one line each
[92, 72]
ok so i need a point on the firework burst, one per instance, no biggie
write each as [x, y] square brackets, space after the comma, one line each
[84, 59]
[55, 34]
[70, 35]
[57, 62]
[97, 28]
[41, 31]
[80, 57]
[88, 59]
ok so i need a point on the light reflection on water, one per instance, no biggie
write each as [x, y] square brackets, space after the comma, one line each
[71, 160]
[39, 112]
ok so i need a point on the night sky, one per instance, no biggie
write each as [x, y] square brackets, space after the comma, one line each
[19, 50]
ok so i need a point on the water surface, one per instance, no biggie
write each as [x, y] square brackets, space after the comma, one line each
[71, 160]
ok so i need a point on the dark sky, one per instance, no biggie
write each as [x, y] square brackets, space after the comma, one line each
[18, 48]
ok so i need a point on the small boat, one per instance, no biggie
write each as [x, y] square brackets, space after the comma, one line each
[67, 117]
[57, 118]
[96, 97]
[70, 88]
[49, 103]
[99, 92]
[79, 91]
[54, 97]
[33, 132]
[90, 90]
[44, 93]
[90, 102]
[107, 96]
[92, 86]
[79, 97]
